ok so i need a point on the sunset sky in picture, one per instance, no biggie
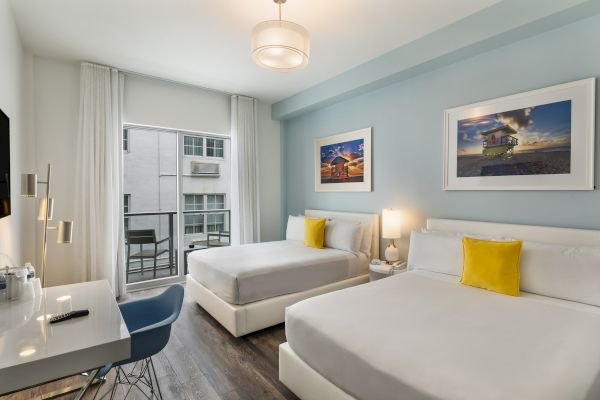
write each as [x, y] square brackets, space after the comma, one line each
[540, 127]
[353, 151]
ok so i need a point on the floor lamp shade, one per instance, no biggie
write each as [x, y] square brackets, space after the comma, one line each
[65, 232]
[43, 208]
[29, 185]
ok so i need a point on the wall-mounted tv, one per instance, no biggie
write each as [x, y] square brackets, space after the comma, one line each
[4, 165]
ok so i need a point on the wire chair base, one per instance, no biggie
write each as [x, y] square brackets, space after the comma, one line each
[142, 376]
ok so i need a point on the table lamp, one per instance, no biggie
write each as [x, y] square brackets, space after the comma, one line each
[391, 229]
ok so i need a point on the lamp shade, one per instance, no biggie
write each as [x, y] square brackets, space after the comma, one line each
[42, 209]
[65, 232]
[280, 45]
[391, 223]
[29, 185]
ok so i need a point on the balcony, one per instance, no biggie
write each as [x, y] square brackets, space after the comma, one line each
[151, 240]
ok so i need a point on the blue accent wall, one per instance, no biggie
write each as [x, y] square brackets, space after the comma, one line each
[407, 121]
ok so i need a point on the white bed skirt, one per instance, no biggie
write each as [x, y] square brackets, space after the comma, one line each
[304, 381]
[240, 320]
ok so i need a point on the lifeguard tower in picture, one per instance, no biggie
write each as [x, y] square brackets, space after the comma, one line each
[499, 142]
[339, 168]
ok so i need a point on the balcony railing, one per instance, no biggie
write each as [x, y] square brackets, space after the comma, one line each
[151, 242]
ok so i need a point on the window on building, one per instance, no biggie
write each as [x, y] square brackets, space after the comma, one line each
[193, 202]
[126, 206]
[193, 146]
[125, 140]
[215, 201]
[214, 148]
[215, 222]
[194, 223]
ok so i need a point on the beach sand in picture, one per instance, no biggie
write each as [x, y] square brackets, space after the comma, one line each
[530, 163]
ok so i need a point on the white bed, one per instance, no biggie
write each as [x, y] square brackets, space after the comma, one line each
[423, 336]
[246, 288]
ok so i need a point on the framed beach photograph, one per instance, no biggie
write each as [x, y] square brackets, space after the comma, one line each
[343, 162]
[537, 140]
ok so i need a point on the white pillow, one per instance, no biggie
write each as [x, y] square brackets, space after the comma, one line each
[367, 239]
[435, 252]
[343, 235]
[568, 273]
[295, 228]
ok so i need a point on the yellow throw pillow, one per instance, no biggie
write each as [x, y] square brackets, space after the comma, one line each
[314, 232]
[491, 265]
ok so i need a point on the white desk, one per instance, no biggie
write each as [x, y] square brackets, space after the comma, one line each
[33, 352]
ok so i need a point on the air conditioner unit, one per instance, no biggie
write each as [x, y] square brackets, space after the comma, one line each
[205, 169]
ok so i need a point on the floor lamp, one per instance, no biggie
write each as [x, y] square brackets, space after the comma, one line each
[64, 229]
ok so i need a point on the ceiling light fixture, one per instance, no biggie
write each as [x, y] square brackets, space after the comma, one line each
[280, 45]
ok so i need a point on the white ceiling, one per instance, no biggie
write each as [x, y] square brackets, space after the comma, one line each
[206, 42]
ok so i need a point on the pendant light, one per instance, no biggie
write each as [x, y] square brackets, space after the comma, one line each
[280, 45]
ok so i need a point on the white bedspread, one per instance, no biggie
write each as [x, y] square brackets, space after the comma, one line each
[421, 335]
[248, 273]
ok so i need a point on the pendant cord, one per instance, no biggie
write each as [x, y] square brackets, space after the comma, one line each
[279, 11]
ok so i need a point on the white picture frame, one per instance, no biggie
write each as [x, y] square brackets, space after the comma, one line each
[460, 172]
[349, 181]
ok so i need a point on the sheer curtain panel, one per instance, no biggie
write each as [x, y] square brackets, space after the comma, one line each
[245, 218]
[99, 186]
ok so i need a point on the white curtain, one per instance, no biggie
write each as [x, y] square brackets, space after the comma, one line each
[99, 217]
[245, 217]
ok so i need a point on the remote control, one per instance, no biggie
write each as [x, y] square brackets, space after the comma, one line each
[69, 315]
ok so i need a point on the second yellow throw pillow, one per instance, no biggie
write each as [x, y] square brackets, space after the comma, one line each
[314, 232]
[492, 265]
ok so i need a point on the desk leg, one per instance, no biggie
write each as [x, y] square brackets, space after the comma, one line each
[87, 385]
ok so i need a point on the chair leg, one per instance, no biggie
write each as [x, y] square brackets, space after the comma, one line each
[154, 266]
[156, 379]
[142, 260]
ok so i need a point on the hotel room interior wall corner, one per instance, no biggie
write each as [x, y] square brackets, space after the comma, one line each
[270, 174]
[16, 230]
[55, 116]
[408, 135]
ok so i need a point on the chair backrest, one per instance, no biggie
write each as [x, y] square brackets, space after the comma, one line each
[141, 236]
[173, 299]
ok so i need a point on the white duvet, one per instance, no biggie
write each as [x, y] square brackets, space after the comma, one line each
[253, 272]
[421, 335]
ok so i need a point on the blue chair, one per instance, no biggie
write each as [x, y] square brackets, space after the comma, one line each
[149, 323]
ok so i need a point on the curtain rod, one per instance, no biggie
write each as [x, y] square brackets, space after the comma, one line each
[130, 72]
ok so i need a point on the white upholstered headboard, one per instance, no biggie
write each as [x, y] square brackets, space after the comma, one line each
[358, 217]
[543, 234]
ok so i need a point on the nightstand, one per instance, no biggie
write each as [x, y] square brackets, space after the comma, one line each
[383, 270]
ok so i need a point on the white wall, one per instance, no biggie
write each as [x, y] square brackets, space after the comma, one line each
[56, 94]
[147, 101]
[269, 158]
[164, 104]
[16, 230]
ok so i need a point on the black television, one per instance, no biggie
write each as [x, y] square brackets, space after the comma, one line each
[4, 165]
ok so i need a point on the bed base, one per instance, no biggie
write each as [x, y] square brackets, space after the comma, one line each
[240, 320]
[304, 381]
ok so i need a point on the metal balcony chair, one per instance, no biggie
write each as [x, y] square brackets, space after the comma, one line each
[149, 323]
[143, 237]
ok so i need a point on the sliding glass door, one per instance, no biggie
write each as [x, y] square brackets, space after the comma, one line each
[176, 200]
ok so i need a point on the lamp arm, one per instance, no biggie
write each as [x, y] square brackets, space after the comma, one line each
[45, 238]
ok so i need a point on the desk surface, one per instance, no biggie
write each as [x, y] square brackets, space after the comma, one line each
[32, 351]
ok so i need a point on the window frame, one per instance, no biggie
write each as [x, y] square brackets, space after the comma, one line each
[126, 140]
[214, 148]
[194, 146]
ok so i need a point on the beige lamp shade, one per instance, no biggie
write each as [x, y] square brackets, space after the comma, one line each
[42, 209]
[29, 185]
[280, 45]
[65, 232]
[391, 223]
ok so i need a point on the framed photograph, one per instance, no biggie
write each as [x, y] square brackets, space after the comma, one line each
[538, 140]
[343, 162]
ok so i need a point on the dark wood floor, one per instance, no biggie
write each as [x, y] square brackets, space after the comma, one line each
[203, 361]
